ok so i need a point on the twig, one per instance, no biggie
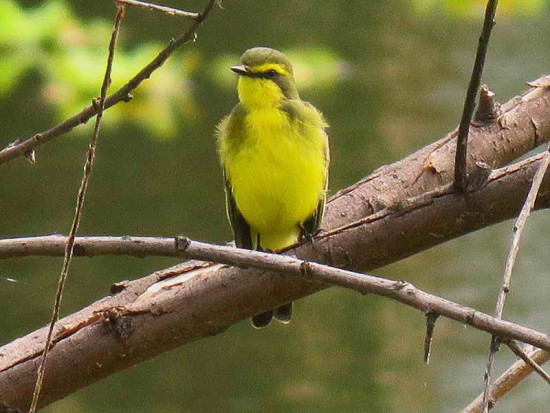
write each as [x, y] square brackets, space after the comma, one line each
[509, 379]
[461, 174]
[515, 347]
[88, 167]
[510, 262]
[123, 94]
[163, 9]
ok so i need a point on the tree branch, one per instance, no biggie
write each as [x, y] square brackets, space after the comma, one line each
[210, 292]
[123, 94]
[518, 351]
[401, 291]
[524, 124]
[405, 228]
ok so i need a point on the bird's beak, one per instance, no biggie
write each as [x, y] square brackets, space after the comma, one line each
[241, 70]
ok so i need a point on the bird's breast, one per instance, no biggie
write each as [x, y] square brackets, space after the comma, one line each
[278, 172]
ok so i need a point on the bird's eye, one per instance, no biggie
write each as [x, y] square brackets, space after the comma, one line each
[271, 73]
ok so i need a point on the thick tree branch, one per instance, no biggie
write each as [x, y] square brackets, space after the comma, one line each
[216, 296]
[123, 94]
[524, 124]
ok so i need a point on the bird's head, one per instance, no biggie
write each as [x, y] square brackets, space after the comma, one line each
[265, 78]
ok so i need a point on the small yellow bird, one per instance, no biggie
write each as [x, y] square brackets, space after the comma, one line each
[274, 153]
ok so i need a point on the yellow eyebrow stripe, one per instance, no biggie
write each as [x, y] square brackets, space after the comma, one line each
[270, 66]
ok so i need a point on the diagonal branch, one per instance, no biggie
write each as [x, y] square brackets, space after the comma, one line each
[123, 94]
[149, 317]
[518, 351]
[510, 262]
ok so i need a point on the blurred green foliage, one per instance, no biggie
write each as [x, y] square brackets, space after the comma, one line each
[67, 52]
[475, 8]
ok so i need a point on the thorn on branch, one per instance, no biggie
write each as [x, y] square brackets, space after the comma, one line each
[30, 154]
[431, 318]
[495, 344]
[488, 108]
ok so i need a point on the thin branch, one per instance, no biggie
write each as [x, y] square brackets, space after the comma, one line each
[163, 9]
[401, 291]
[516, 348]
[508, 380]
[88, 168]
[510, 262]
[461, 172]
[123, 94]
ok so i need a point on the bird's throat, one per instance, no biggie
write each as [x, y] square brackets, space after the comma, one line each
[255, 93]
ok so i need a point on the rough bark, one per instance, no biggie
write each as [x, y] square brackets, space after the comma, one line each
[120, 331]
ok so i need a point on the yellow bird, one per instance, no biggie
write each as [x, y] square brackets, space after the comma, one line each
[274, 153]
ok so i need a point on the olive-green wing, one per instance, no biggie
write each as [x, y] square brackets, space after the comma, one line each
[241, 229]
[307, 115]
[229, 137]
[313, 223]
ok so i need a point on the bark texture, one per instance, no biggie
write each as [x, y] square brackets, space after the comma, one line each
[399, 210]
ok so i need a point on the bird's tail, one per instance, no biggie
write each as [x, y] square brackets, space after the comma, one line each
[282, 314]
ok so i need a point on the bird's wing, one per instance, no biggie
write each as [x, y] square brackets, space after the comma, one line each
[228, 135]
[307, 117]
[312, 224]
[241, 229]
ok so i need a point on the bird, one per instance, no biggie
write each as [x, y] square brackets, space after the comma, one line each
[274, 152]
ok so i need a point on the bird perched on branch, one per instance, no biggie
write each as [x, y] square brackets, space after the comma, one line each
[274, 153]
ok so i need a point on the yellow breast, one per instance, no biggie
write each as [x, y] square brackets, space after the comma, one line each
[278, 175]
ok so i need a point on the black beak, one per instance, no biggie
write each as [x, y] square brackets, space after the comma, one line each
[241, 71]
